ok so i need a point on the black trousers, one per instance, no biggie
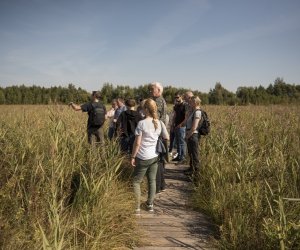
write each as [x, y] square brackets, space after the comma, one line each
[193, 151]
[160, 176]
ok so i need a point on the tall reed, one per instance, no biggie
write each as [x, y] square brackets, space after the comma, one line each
[56, 191]
[250, 176]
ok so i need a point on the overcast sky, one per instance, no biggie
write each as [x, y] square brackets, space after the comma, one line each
[184, 43]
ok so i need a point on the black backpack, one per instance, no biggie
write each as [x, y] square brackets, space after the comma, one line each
[204, 124]
[97, 114]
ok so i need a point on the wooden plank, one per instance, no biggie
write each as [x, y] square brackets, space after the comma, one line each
[174, 225]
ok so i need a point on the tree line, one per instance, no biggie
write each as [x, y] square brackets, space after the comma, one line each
[279, 92]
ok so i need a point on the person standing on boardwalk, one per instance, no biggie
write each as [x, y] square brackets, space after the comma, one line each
[156, 90]
[110, 115]
[96, 112]
[172, 136]
[126, 125]
[192, 135]
[144, 157]
[187, 97]
[180, 110]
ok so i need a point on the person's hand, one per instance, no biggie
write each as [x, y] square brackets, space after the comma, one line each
[132, 162]
[187, 136]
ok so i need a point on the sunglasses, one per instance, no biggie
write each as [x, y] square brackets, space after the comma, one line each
[177, 97]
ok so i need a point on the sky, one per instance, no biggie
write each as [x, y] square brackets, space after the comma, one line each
[182, 43]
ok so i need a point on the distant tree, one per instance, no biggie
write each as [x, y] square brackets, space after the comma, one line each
[220, 96]
[261, 95]
[142, 91]
[2, 96]
[243, 94]
[107, 92]
[279, 92]
[13, 95]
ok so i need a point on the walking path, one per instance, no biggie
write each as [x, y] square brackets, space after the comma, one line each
[174, 225]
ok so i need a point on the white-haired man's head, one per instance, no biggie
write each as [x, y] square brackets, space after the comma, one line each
[156, 89]
[188, 95]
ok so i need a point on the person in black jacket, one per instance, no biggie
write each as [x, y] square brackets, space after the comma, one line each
[96, 112]
[126, 125]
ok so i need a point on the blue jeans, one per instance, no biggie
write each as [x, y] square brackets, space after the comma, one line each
[172, 141]
[142, 168]
[180, 135]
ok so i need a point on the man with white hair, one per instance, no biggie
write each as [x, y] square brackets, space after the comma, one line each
[156, 90]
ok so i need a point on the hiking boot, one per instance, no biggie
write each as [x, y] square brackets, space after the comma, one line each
[138, 211]
[150, 207]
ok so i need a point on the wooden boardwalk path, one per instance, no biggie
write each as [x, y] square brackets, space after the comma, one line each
[174, 225]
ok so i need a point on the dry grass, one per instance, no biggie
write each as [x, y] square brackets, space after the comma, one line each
[43, 152]
[249, 181]
[250, 176]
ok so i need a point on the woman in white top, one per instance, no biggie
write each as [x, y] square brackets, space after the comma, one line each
[144, 156]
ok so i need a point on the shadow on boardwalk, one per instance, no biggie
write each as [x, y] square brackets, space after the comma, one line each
[174, 225]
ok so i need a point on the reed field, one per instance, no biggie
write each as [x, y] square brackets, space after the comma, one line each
[250, 176]
[56, 191]
[249, 180]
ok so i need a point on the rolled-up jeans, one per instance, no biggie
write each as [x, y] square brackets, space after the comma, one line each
[142, 168]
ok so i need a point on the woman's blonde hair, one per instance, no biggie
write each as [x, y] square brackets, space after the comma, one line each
[150, 108]
[196, 100]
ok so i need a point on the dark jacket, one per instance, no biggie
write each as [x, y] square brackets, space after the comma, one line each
[127, 122]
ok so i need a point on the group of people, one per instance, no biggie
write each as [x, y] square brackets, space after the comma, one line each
[138, 131]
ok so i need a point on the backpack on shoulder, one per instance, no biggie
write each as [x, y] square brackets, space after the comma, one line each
[98, 114]
[204, 127]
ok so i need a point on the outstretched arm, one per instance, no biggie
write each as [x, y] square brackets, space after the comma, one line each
[75, 106]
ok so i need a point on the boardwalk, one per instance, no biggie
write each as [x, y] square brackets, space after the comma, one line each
[174, 225]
